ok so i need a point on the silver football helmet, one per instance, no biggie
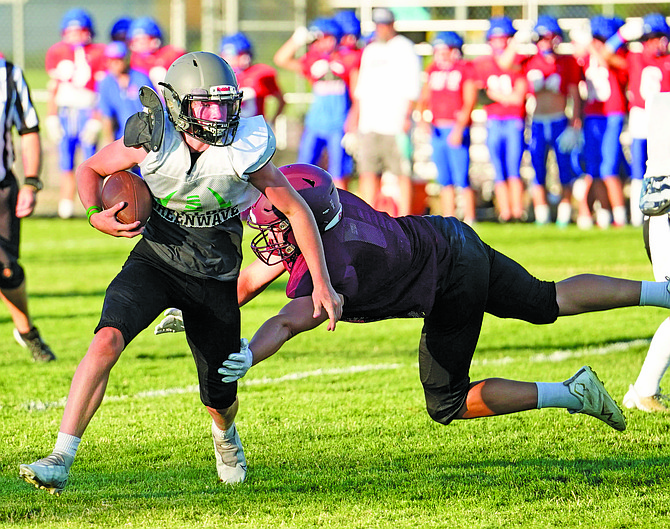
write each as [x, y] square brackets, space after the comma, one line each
[203, 79]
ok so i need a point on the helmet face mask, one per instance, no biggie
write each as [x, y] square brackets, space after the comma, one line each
[275, 242]
[202, 98]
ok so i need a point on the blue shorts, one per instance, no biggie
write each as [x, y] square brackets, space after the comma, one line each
[603, 155]
[506, 144]
[312, 143]
[452, 163]
[638, 152]
[543, 137]
[73, 121]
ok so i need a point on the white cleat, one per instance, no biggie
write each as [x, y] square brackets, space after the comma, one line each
[49, 473]
[655, 403]
[596, 402]
[231, 466]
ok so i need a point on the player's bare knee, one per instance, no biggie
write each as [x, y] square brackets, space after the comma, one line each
[107, 345]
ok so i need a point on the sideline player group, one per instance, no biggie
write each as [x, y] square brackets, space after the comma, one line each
[536, 97]
[209, 160]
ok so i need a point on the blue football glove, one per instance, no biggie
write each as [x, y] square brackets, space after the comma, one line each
[237, 364]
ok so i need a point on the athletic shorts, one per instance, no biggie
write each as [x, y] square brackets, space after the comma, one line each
[10, 224]
[312, 143]
[480, 280]
[378, 153]
[146, 286]
[452, 162]
[544, 136]
[603, 152]
[506, 144]
[73, 120]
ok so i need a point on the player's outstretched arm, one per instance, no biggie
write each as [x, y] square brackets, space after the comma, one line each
[295, 317]
[254, 279]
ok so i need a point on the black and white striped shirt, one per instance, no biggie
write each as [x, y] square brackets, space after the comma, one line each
[17, 111]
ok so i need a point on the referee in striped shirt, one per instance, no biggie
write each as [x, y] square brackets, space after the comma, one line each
[16, 202]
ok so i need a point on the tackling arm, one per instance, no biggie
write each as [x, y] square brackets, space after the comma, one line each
[295, 317]
[254, 279]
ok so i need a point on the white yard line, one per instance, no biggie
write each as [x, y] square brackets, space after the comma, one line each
[556, 356]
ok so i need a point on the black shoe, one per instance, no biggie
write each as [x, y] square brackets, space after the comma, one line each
[33, 341]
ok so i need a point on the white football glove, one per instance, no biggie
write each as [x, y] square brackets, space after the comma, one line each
[91, 131]
[632, 30]
[237, 364]
[569, 140]
[172, 322]
[302, 36]
[54, 128]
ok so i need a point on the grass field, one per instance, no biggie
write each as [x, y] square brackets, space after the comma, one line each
[334, 426]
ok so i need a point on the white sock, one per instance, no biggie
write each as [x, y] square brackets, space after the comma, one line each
[620, 215]
[603, 218]
[223, 434]
[556, 395]
[655, 293]
[542, 214]
[655, 363]
[564, 213]
[67, 445]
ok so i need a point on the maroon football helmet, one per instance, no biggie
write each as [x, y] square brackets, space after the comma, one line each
[275, 242]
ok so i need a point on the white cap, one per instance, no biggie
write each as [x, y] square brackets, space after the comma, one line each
[382, 15]
[658, 135]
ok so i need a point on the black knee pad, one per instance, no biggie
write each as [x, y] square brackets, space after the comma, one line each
[11, 276]
[444, 396]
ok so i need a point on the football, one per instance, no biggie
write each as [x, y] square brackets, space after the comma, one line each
[127, 187]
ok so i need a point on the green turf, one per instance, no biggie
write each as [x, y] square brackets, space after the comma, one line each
[327, 446]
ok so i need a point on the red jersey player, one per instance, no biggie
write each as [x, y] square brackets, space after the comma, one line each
[605, 109]
[649, 74]
[505, 85]
[448, 98]
[257, 81]
[73, 65]
[148, 55]
[553, 79]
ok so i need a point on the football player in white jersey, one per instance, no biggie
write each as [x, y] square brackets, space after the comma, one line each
[645, 394]
[204, 165]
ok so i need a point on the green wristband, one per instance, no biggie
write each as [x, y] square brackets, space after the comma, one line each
[92, 211]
